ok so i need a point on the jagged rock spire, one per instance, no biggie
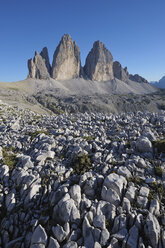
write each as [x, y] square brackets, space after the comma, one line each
[45, 55]
[66, 60]
[99, 63]
[37, 67]
[119, 72]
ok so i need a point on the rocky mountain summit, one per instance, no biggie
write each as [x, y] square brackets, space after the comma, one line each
[66, 60]
[66, 64]
[99, 63]
[82, 180]
[39, 67]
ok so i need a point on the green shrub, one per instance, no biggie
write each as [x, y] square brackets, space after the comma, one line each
[34, 134]
[81, 164]
[158, 171]
[9, 158]
[160, 145]
[135, 179]
[89, 138]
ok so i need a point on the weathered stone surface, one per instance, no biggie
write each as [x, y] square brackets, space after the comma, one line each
[143, 144]
[137, 78]
[44, 54]
[53, 243]
[119, 72]
[152, 229]
[99, 63]
[37, 68]
[99, 221]
[66, 60]
[87, 234]
[39, 237]
[133, 237]
[70, 208]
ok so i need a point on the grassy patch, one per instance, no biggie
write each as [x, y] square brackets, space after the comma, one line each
[81, 164]
[34, 134]
[89, 138]
[135, 179]
[156, 189]
[160, 145]
[158, 171]
[9, 158]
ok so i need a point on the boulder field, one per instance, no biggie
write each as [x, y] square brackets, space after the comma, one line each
[82, 180]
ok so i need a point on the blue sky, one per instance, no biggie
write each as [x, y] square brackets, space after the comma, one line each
[133, 30]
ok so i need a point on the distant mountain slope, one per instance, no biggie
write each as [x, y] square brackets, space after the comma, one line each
[80, 86]
[160, 83]
[80, 95]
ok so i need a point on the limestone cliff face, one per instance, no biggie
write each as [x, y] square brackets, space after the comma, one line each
[119, 72]
[99, 63]
[44, 54]
[37, 67]
[66, 60]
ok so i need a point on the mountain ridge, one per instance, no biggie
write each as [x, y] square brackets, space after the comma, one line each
[66, 65]
[160, 83]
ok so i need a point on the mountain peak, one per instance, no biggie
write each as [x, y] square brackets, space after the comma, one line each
[99, 63]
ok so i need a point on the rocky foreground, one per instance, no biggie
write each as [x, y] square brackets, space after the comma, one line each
[83, 180]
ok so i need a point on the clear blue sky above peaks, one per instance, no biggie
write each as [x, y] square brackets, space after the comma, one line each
[133, 30]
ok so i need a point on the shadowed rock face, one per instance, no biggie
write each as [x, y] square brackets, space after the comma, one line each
[119, 72]
[45, 56]
[66, 64]
[137, 78]
[99, 63]
[66, 60]
[37, 68]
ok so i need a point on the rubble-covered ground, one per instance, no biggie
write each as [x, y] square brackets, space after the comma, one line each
[82, 180]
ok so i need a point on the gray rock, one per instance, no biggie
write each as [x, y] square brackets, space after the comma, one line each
[126, 205]
[97, 245]
[89, 187]
[39, 236]
[163, 238]
[15, 243]
[32, 191]
[99, 221]
[141, 163]
[137, 78]
[144, 191]
[152, 230]
[10, 201]
[143, 144]
[87, 234]
[37, 68]
[66, 210]
[123, 171]
[75, 193]
[66, 60]
[110, 196]
[70, 244]
[133, 237]
[4, 169]
[53, 243]
[99, 63]
[115, 182]
[119, 72]
[45, 56]
[59, 233]
[107, 209]
[142, 201]
[154, 207]
[104, 237]
[114, 243]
